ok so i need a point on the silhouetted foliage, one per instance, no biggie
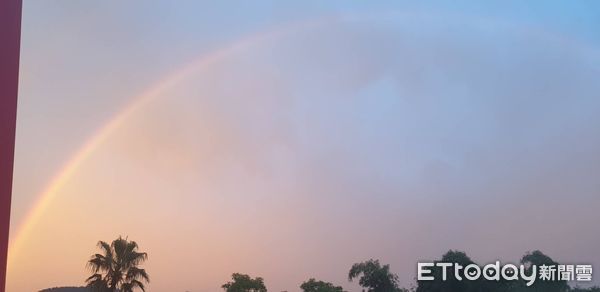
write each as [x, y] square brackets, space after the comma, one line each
[454, 285]
[374, 277]
[538, 258]
[116, 268]
[313, 285]
[244, 283]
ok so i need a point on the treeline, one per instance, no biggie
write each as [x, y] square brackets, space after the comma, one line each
[375, 277]
[118, 269]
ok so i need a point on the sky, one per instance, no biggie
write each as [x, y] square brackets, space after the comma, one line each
[291, 140]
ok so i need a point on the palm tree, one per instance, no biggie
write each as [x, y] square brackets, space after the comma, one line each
[116, 268]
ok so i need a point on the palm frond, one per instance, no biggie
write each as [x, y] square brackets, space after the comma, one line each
[136, 283]
[116, 267]
[127, 287]
[119, 246]
[99, 262]
[134, 258]
[94, 277]
[105, 247]
[135, 273]
[96, 283]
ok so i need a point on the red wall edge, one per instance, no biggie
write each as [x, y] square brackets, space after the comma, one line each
[10, 35]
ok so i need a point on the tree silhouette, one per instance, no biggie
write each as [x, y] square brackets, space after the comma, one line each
[451, 284]
[244, 283]
[538, 259]
[374, 277]
[313, 285]
[454, 285]
[117, 267]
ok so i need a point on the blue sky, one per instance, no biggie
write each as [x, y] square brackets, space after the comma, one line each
[358, 130]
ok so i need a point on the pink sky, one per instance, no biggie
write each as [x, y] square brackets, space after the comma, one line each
[322, 140]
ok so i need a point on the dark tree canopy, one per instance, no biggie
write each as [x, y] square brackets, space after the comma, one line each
[453, 285]
[313, 285]
[244, 283]
[117, 267]
[374, 277]
[538, 258]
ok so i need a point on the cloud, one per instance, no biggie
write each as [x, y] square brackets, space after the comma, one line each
[390, 139]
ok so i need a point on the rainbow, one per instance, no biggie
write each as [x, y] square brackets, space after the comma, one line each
[52, 190]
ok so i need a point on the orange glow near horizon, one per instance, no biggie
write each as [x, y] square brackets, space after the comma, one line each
[296, 152]
[75, 162]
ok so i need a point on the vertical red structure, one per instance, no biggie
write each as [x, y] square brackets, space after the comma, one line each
[10, 37]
